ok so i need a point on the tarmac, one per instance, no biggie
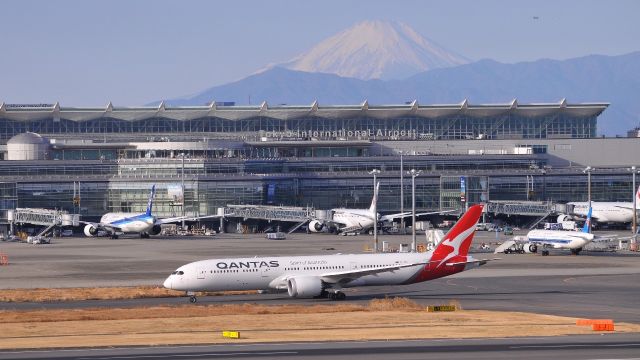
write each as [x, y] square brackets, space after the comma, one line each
[592, 284]
[611, 346]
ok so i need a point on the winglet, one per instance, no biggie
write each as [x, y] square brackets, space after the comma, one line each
[150, 203]
[587, 224]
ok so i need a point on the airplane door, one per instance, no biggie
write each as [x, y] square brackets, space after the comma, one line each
[200, 273]
[265, 271]
[354, 266]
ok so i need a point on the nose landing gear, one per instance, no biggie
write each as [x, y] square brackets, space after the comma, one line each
[192, 297]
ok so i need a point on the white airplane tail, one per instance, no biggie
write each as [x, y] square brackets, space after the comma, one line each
[587, 224]
[638, 196]
[374, 201]
[151, 195]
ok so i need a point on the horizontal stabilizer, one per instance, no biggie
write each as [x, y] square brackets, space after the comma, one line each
[473, 261]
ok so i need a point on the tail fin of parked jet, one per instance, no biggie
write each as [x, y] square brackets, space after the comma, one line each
[151, 195]
[457, 241]
[638, 196]
[587, 223]
[374, 201]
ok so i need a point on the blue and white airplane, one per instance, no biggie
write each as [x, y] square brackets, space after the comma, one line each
[145, 224]
[558, 239]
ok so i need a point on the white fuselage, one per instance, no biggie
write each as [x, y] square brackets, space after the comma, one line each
[353, 218]
[560, 239]
[273, 272]
[605, 212]
[129, 222]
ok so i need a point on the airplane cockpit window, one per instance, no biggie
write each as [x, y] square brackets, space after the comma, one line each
[180, 273]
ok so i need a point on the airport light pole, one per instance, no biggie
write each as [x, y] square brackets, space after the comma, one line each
[402, 193]
[182, 186]
[634, 220]
[413, 173]
[375, 172]
[588, 170]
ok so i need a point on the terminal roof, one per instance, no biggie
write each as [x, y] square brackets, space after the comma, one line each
[29, 112]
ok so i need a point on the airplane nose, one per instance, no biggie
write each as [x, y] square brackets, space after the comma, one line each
[167, 283]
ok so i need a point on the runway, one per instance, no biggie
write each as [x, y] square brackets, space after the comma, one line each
[610, 346]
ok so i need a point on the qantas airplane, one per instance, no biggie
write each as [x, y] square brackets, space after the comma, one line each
[323, 276]
[357, 220]
[144, 224]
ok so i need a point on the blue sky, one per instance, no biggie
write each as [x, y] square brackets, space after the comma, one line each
[87, 53]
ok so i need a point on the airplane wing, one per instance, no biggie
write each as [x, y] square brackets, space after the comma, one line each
[185, 218]
[624, 207]
[102, 226]
[408, 214]
[349, 275]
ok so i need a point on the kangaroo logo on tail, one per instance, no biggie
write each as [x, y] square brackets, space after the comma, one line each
[458, 240]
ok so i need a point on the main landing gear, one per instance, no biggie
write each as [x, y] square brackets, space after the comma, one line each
[335, 295]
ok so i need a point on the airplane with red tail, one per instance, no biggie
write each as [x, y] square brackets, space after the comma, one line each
[325, 276]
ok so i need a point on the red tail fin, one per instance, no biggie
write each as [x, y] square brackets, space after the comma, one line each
[453, 248]
[458, 240]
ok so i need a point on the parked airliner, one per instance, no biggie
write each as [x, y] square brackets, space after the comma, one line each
[357, 220]
[605, 212]
[144, 224]
[557, 239]
[326, 275]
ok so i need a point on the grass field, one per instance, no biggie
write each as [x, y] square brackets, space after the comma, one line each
[394, 318]
[97, 293]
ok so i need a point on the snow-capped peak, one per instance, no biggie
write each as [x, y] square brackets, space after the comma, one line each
[375, 50]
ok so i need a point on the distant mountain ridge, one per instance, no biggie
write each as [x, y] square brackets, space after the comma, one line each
[594, 78]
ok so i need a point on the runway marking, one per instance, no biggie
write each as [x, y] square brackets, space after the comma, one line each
[568, 279]
[475, 288]
[190, 355]
[571, 346]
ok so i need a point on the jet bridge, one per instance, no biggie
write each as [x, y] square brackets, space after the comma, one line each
[299, 215]
[42, 217]
[539, 209]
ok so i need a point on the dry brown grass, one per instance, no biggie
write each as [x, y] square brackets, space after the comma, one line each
[181, 311]
[392, 318]
[107, 293]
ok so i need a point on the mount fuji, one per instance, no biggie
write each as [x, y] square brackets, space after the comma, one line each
[375, 50]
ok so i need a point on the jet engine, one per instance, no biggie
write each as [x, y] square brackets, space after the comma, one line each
[563, 218]
[155, 230]
[315, 226]
[530, 248]
[90, 230]
[304, 286]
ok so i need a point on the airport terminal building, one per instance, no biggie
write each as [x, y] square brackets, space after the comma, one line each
[307, 156]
